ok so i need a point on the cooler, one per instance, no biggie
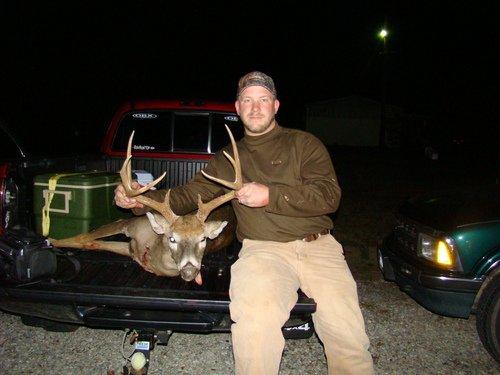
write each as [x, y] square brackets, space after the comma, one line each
[78, 203]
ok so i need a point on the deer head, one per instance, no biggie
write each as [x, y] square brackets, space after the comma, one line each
[183, 237]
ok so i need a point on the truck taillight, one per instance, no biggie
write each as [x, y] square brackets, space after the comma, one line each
[9, 199]
[3, 191]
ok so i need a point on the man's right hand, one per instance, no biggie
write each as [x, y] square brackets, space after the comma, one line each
[121, 199]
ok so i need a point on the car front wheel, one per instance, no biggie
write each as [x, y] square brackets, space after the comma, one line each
[488, 318]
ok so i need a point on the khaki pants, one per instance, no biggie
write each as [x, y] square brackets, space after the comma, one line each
[264, 284]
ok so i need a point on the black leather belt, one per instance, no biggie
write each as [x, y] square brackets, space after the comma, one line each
[315, 236]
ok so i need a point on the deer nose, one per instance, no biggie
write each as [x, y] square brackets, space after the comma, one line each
[189, 272]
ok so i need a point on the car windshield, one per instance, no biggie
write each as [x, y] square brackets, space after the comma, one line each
[176, 131]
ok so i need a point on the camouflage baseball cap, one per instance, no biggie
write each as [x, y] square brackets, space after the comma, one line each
[256, 78]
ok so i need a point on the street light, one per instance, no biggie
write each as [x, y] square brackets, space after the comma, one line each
[383, 34]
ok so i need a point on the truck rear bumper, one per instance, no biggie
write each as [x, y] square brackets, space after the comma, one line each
[146, 318]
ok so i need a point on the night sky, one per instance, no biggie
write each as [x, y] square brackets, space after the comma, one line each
[65, 66]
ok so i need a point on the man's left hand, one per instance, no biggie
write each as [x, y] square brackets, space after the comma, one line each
[253, 195]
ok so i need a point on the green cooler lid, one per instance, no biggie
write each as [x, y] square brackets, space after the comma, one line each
[90, 178]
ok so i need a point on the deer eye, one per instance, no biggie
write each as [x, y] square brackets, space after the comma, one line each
[171, 239]
[203, 239]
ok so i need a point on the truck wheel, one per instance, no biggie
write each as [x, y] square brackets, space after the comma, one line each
[488, 318]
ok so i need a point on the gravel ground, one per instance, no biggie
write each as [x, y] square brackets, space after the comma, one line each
[405, 337]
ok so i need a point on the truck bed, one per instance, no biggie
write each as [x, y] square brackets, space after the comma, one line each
[112, 291]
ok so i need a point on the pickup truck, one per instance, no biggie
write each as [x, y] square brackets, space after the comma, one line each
[112, 291]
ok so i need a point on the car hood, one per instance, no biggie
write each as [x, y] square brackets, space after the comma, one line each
[449, 210]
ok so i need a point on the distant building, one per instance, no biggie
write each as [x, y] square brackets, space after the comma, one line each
[356, 120]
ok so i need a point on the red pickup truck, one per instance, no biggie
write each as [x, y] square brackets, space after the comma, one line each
[111, 291]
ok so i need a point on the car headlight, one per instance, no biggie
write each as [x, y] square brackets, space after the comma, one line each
[440, 251]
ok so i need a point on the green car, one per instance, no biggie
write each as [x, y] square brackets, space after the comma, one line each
[445, 253]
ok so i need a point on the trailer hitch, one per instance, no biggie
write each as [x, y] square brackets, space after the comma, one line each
[143, 342]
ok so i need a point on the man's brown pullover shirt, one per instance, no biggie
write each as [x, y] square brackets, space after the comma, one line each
[297, 168]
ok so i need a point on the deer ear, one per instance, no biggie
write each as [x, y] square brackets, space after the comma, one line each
[157, 223]
[213, 228]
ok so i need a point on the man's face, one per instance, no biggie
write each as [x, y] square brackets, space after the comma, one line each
[257, 107]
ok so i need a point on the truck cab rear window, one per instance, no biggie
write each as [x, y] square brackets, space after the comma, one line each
[152, 131]
[220, 138]
[191, 132]
[168, 131]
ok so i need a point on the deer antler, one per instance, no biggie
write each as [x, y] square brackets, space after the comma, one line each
[126, 176]
[204, 209]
